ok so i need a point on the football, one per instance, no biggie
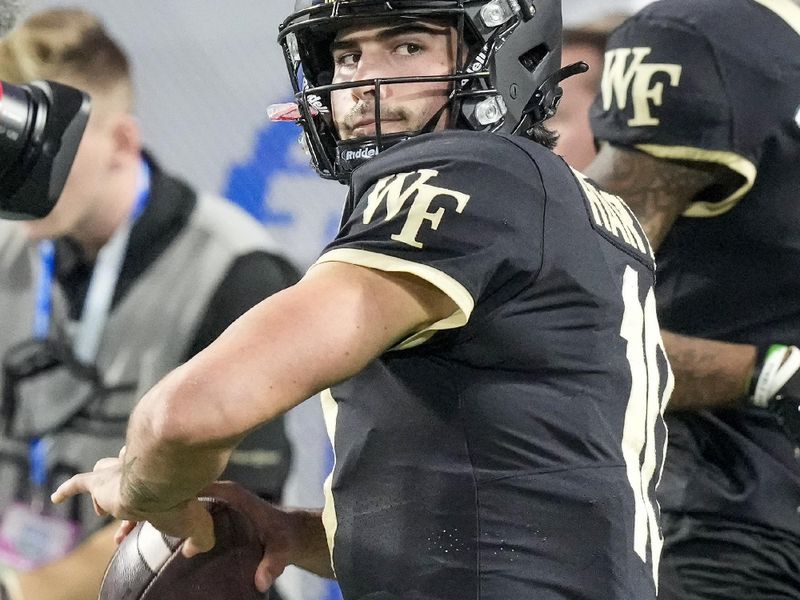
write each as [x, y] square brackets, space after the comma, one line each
[148, 565]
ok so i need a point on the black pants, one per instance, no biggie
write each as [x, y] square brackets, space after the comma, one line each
[711, 559]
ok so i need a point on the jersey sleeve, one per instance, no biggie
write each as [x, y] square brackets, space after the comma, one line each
[666, 91]
[462, 211]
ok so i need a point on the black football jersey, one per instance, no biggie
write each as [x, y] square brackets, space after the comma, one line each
[718, 81]
[512, 449]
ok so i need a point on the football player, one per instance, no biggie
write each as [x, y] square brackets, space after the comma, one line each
[484, 324]
[700, 113]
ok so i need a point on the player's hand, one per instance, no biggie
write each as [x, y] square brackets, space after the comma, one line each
[125, 527]
[778, 388]
[104, 485]
[187, 520]
[273, 524]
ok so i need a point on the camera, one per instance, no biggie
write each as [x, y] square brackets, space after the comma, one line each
[41, 124]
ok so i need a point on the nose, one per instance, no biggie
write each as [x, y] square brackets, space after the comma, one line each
[369, 68]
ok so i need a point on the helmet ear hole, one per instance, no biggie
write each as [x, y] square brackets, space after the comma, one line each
[533, 57]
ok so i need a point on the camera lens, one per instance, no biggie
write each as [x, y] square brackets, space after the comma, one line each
[16, 118]
[41, 124]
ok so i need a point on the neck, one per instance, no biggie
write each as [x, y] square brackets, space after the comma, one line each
[110, 214]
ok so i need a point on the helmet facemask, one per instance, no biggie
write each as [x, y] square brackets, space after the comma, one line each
[488, 33]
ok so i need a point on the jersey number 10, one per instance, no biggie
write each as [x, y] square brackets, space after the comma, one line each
[651, 385]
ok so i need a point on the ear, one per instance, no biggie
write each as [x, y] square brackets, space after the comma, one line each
[126, 141]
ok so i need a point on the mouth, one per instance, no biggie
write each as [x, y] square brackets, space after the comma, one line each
[366, 127]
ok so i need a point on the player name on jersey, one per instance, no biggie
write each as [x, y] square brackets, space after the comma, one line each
[612, 215]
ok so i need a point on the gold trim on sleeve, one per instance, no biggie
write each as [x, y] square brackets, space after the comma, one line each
[390, 264]
[733, 161]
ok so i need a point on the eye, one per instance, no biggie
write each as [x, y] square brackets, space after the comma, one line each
[409, 49]
[349, 59]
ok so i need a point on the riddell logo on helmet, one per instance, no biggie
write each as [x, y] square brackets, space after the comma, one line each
[480, 61]
[316, 103]
[478, 64]
[361, 153]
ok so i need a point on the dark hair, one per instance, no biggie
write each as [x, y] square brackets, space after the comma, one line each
[542, 135]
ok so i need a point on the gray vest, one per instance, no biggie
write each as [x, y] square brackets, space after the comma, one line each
[147, 334]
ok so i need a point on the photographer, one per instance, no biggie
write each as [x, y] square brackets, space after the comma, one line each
[131, 274]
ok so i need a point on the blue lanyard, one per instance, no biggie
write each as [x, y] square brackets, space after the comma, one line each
[37, 458]
[143, 191]
[96, 308]
[44, 289]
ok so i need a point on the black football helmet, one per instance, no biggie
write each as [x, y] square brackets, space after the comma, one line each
[506, 78]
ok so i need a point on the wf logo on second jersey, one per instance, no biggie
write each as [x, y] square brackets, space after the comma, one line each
[395, 192]
[625, 72]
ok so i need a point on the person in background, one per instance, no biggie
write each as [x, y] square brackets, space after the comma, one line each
[131, 274]
[699, 122]
[583, 42]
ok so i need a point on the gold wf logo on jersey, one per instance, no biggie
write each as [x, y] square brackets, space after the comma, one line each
[626, 74]
[395, 191]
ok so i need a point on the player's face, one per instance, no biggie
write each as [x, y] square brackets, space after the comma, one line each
[391, 50]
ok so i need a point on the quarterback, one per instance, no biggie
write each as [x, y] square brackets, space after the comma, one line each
[483, 324]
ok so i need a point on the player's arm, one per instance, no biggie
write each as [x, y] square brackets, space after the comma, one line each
[708, 373]
[297, 342]
[291, 346]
